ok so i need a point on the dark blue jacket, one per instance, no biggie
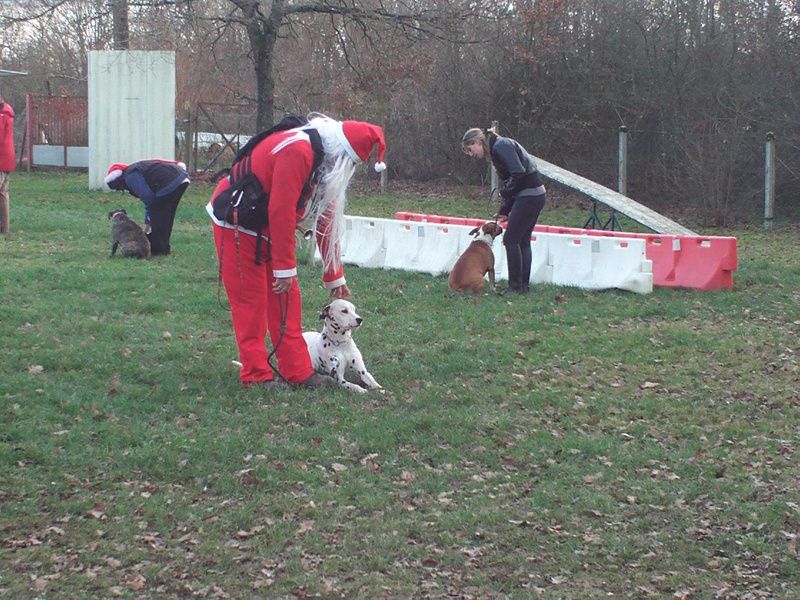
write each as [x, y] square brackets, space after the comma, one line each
[149, 180]
[517, 170]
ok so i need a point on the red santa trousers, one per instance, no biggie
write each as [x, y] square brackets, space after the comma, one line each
[255, 308]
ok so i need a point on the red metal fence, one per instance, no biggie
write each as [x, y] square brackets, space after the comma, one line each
[56, 121]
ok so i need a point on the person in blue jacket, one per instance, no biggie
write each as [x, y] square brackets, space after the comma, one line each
[523, 195]
[159, 184]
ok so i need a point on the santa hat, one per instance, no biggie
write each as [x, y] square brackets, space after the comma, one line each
[359, 138]
[115, 172]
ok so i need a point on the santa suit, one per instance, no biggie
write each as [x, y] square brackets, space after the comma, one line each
[282, 162]
[7, 160]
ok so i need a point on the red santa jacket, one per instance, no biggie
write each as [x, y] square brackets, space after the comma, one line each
[282, 163]
[7, 159]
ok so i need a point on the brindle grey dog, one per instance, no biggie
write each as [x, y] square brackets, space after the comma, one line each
[127, 236]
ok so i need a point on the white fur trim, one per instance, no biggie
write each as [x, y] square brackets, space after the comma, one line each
[284, 273]
[296, 136]
[332, 285]
[379, 167]
[115, 174]
[346, 143]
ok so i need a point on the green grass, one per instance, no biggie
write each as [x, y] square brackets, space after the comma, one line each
[568, 444]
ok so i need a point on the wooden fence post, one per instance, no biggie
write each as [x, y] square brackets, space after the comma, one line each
[769, 181]
[622, 161]
[29, 131]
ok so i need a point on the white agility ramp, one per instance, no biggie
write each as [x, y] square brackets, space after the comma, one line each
[583, 261]
[627, 206]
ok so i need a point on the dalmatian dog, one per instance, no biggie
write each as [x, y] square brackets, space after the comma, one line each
[333, 351]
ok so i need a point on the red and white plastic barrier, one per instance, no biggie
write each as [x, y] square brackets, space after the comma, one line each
[681, 261]
[429, 247]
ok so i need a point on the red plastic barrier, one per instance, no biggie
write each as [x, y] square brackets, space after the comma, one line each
[409, 216]
[681, 261]
[706, 263]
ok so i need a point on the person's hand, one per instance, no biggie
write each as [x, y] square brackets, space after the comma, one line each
[282, 284]
[500, 218]
[340, 292]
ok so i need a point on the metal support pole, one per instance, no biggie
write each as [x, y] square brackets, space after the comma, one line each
[769, 181]
[593, 222]
[492, 170]
[622, 161]
[187, 137]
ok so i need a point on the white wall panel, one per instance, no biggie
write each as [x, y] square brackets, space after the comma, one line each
[131, 109]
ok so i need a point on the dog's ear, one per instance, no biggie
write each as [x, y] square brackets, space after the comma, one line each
[475, 231]
[325, 312]
[111, 213]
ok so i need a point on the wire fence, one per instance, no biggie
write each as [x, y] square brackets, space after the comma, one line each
[717, 171]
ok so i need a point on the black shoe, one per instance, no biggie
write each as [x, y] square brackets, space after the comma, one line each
[513, 290]
[318, 380]
[275, 385]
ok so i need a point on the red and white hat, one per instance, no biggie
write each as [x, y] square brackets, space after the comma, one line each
[359, 138]
[115, 172]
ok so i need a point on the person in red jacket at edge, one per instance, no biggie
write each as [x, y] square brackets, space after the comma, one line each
[266, 297]
[7, 160]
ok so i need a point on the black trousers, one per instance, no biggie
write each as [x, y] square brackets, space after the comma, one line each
[162, 217]
[517, 239]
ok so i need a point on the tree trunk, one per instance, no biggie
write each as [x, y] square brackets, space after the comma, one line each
[262, 23]
[263, 35]
[120, 32]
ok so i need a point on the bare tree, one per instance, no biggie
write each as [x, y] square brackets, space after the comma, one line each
[263, 20]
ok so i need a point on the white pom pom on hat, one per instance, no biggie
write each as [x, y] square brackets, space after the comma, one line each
[181, 165]
[361, 137]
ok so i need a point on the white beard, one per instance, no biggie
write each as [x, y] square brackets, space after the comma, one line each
[327, 204]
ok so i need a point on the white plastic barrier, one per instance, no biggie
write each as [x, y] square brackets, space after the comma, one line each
[422, 247]
[500, 262]
[363, 241]
[590, 262]
[541, 271]
[593, 262]
[627, 263]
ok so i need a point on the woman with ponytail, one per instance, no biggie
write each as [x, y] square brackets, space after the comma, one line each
[523, 197]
